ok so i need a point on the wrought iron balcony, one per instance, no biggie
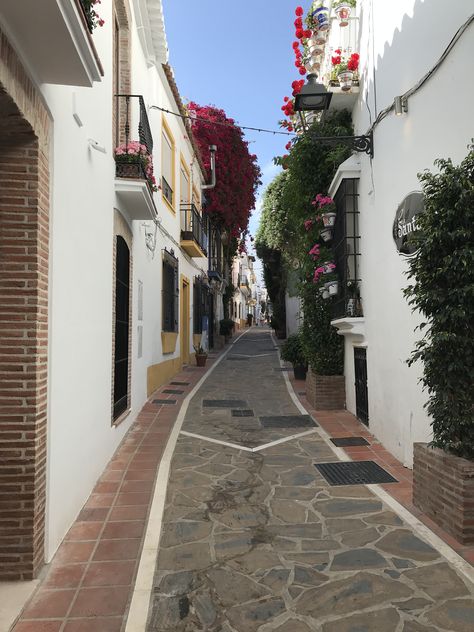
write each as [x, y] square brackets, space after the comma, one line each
[194, 235]
[135, 182]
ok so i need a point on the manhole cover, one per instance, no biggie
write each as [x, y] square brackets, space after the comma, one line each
[168, 402]
[354, 473]
[224, 403]
[342, 442]
[172, 391]
[244, 412]
[288, 421]
[179, 383]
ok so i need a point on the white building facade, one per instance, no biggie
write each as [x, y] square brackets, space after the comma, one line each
[104, 282]
[415, 50]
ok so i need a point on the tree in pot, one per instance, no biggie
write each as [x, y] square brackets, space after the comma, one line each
[292, 351]
[442, 274]
[201, 355]
[226, 328]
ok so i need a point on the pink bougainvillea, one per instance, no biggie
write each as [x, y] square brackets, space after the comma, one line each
[238, 174]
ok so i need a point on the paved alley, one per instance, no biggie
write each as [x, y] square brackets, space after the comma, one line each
[255, 539]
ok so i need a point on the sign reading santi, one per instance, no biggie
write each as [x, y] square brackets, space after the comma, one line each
[405, 224]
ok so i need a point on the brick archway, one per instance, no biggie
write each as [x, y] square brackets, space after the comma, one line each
[24, 252]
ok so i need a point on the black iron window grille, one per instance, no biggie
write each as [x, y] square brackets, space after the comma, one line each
[215, 252]
[167, 190]
[194, 226]
[201, 304]
[170, 292]
[346, 246]
[133, 156]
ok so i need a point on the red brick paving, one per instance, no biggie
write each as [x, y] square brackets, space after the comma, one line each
[89, 583]
[341, 423]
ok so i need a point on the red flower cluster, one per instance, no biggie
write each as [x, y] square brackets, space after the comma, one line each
[353, 63]
[297, 85]
[238, 175]
[288, 107]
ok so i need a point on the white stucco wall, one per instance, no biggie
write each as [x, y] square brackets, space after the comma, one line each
[409, 37]
[81, 439]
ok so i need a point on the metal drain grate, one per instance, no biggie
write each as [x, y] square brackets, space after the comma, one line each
[172, 391]
[354, 473]
[224, 403]
[342, 442]
[288, 421]
[179, 383]
[166, 402]
[244, 412]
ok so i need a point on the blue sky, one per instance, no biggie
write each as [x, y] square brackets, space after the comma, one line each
[236, 55]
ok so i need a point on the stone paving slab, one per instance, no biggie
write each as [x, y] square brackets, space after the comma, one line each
[258, 541]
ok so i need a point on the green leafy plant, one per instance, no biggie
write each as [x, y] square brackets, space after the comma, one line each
[292, 350]
[442, 289]
[199, 349]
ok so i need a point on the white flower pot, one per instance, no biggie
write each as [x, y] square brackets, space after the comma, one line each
[320, 37]
[329, 219]
[326, 294]
[333, 288]
[326, 234]
[343, 12]
[345, 80]
[351, 307]
[316, 49]
[321, 18]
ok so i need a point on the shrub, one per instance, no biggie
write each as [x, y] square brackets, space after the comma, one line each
[292, 350]
[442, 271]
[226, 327]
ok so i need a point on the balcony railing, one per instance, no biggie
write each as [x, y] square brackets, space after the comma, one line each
[193, 231]
[133, 158]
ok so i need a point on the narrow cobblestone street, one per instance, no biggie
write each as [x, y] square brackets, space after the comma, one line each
[254, 538]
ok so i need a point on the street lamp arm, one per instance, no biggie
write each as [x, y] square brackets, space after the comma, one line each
[361, 144]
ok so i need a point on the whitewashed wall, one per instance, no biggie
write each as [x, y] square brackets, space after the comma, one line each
[81, 439]
[407, 38]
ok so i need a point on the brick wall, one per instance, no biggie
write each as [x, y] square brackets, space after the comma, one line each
[326, 392]
[443, 488]
[24, 232]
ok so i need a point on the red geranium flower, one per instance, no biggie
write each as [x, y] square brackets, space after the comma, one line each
[299, 11]
[307, 33]
[302, 71]
[299, 33]
[298, 23]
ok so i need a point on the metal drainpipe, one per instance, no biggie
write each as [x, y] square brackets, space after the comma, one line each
[204, 187]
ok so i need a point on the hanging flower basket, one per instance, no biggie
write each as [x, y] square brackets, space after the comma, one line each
[320, 17]
[343, 12]
[345, 80]
[326, 234]
[333, 288]
[329, 219]
[320, 37]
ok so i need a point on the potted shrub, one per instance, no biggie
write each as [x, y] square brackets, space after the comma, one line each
[292, 351]
[201, 355]
[226, 328]
[442, 278]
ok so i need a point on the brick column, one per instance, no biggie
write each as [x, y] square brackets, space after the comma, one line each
[24, 251]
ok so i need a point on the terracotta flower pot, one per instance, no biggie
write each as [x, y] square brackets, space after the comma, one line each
[201, 359]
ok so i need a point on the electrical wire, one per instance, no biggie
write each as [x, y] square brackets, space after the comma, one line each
[221, 123]
[429, 74]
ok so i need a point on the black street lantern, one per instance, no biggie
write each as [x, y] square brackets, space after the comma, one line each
[313, 96]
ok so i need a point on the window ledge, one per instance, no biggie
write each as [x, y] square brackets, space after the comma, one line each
[117, 422]
[354, 327]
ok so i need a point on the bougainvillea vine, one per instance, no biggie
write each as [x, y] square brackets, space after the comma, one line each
[238, 175]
